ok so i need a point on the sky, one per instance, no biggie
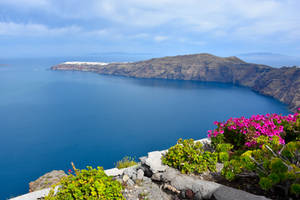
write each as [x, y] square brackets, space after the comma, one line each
[161, 27]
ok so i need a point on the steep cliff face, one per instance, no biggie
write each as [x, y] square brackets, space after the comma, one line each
[280, 83]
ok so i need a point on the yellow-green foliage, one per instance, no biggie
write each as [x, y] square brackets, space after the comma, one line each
[126, 162]
[275, 164]
[223, 150]
[189, 157]
[280, 165]
[87, 184]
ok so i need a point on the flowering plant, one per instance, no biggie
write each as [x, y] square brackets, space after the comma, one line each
[244, 132]
[266, 145]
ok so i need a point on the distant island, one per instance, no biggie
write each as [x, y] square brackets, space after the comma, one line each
[281, 83]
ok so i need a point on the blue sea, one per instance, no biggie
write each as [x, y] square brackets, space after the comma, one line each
[50, 118]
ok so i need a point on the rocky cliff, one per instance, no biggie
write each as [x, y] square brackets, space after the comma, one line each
[150, 179]
[280, 83]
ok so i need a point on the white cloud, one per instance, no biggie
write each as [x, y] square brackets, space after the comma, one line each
[242, 19]
[207, 14]
[25, 4]
[15, 29]
[233, 19]
[98, 32]
[160, 38]
[41, 30]
[140, 36]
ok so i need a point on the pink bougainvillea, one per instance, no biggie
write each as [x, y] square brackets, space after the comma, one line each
[268, 125]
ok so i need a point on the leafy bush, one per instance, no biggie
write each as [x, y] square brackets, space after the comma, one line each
[266, 146]
[126, 162]
[223, 151]
[276, 166]
[92, 184]
[258, 145]
[243, 133]
[189, 157]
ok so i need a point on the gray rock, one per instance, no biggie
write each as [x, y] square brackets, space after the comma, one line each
[169, 174]
[130, 182]
[204, 141]
[182, 194]
[147, 190]
[143, 159]
[146, 179]
[198, 196]
[46, 180]
[125, 178]
[133, 177]
[114, 172]
[146, 169]
[185, 182]
[40, 194]
[228, 193]
[157, 176]
[131, 171]
[164, 152]
[154, 162]
[140, 174]
[205, 189]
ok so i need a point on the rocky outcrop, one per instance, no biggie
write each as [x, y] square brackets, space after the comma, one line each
[150, 179]
[153, 180]
[173, 184]
[46, 180]
[280, 83]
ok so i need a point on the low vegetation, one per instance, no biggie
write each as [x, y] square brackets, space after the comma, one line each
[127, 161]
[92, 184]
[189, 157]
[265, 146]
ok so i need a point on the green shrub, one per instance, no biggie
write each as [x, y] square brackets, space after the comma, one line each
[126, 162]
[231, 168]
[253, 145]
[265, 183]
[223, 156]
[91, 184]
[189, 157]
[275, 164]
[295, 188]
[224, 147]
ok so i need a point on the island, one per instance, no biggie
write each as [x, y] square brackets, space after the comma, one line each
[282, 83]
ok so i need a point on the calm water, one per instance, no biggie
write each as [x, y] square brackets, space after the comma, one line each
[50, 118]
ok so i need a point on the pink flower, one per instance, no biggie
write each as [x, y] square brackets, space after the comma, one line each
[268, 125]
[209, 133]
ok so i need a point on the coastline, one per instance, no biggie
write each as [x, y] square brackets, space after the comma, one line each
[282, 84]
